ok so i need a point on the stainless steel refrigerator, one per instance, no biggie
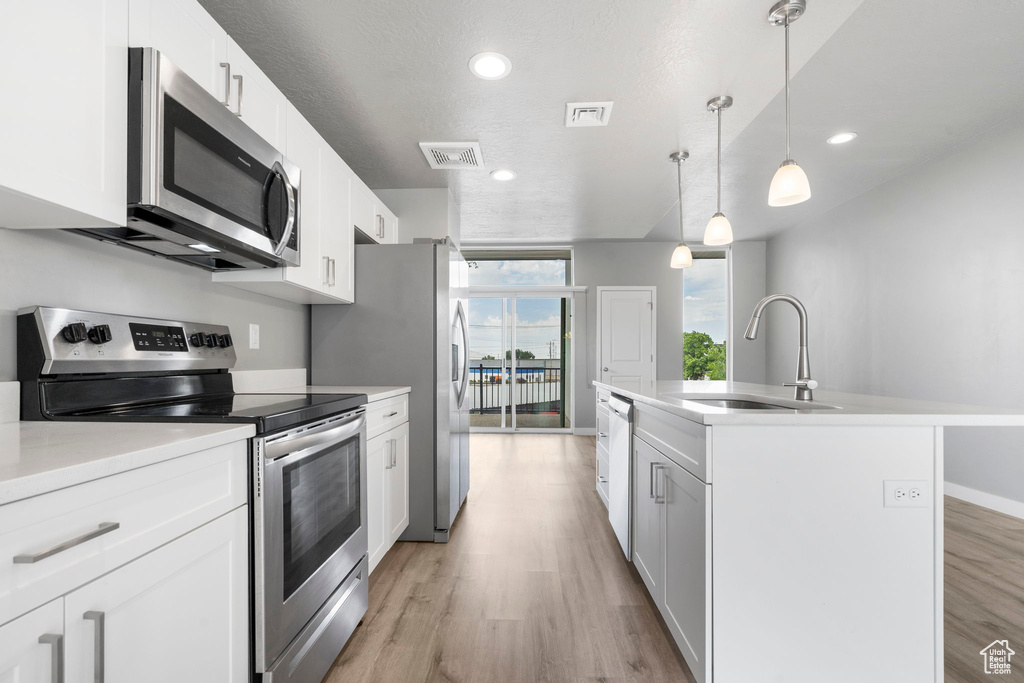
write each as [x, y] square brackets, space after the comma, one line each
[409, 327]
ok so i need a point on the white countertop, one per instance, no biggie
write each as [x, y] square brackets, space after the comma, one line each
[372, 393]
[39, 457]
[846, 409]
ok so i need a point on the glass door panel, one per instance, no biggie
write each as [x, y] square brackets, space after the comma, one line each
[541, 341]
[489, 353]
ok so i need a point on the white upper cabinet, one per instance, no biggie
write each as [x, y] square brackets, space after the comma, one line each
[370, 216]
[62, 129]
[337, 238]
[255, 98]
[187, 34]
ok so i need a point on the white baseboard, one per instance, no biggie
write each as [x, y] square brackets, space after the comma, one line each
[584, 431]
[1007, 506]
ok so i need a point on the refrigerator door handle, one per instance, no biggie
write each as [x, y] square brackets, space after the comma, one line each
[461, 313]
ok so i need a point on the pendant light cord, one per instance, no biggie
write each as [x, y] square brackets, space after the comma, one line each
[788, 154]
[679, 186]
[719, 160]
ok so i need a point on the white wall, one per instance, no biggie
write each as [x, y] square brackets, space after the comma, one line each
[56, 268]
[646, 263]
[423, 212]
[916, 289]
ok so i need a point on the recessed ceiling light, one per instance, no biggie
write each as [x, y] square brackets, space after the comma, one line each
[840, 138]
[503, 174]
[490, 66]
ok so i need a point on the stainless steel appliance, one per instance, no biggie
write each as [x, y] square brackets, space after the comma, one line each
[408, 327]
[203, 187]
[620, 451]
[308, 489]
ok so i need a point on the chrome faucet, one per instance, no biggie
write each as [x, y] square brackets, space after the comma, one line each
[804, 384]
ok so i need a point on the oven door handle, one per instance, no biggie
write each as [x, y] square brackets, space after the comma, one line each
[328, 434]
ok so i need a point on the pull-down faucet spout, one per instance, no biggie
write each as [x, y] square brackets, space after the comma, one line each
[804, 384]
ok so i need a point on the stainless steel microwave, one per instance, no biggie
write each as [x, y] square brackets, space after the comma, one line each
[203, 187]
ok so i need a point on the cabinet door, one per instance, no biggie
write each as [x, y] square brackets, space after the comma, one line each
[65, 113]
[255, 98]
[180, 613]
[687, 535]
[304, 148]
[32, 646]
[647, 519]
[398, 475]
[377, 451]
[337, 238]
[187, 34]
[364, 212]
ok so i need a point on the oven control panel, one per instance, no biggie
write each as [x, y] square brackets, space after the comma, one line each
[86, 341]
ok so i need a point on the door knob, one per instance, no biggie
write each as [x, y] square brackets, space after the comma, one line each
[604, 369]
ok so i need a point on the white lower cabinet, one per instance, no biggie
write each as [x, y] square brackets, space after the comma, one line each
[180, 613]
[32, 646]
[387, 476]
[672, 550]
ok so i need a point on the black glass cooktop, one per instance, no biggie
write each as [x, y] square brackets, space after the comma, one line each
[269, 412]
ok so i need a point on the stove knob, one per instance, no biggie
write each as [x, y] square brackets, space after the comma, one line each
[224, 341]
[100, 334]
[197, 339]
[211, 340]
[74, 333]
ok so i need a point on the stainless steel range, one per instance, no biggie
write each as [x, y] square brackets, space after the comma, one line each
[307, 462]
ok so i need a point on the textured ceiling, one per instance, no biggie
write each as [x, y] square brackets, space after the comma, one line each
[378, 77]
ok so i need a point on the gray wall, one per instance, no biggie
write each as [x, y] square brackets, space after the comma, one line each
[55, 268]
[916, 289]
[423, 212]
[646, 263]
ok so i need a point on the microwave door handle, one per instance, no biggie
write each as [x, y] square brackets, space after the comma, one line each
[289, 225]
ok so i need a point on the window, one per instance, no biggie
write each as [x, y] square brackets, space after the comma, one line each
[706, 316]
[519, 267]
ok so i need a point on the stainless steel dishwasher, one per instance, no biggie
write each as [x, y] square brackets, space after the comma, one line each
[620, 451]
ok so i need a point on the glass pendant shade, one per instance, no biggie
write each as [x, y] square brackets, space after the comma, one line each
[789, 186]
[719, 231]
[682, 257]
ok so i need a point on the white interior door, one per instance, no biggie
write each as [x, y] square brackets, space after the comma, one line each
[626, 319]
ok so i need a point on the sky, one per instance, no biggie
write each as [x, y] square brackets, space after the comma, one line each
[705, 303]
[538, 320]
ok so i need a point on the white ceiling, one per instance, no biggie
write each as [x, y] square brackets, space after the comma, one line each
[913, 77]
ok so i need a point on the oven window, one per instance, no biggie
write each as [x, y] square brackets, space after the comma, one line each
[321, 510]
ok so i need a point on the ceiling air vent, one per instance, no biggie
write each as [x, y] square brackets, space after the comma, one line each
[453, 155]
[584, 114]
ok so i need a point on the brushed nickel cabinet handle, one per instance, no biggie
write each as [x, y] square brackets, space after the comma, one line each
[392, 414]
[651, 479]
[238, 77]
[104, 528]
[227, 85]
[387, 465]
[56, 642]
[602, 400]
[602, 435]
[659, 498]
[601, 479]
[334, 273]
[394, 453]
[326, 279]
[99, 668]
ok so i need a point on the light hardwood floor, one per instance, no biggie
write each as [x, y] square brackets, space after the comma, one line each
[533, 586]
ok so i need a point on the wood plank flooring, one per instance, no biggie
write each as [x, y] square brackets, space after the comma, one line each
[533, 586]
[984, 593]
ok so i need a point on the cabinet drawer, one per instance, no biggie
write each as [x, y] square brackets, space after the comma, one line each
[152, 505]
[602, 430]
[602, 397]
[602, 473]
[679, 439]
[387, 414]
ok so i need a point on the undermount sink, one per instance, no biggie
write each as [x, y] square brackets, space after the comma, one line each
[738, 403]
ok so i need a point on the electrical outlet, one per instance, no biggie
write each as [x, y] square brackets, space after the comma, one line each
[905, 493]
[254, 336]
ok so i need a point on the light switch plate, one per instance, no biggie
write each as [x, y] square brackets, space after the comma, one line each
[254, 336]
[906, 493]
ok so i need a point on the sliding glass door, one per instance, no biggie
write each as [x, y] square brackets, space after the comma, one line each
[520, 355]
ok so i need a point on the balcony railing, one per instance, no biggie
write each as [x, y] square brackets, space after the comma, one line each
[537, 387]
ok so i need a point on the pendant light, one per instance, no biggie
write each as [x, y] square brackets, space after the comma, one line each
[682, 257]
[719, 230]
[790, 185]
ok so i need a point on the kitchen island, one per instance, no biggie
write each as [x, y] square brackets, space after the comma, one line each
[796, 542]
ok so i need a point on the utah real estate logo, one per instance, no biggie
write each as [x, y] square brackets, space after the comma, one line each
[997, 657]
